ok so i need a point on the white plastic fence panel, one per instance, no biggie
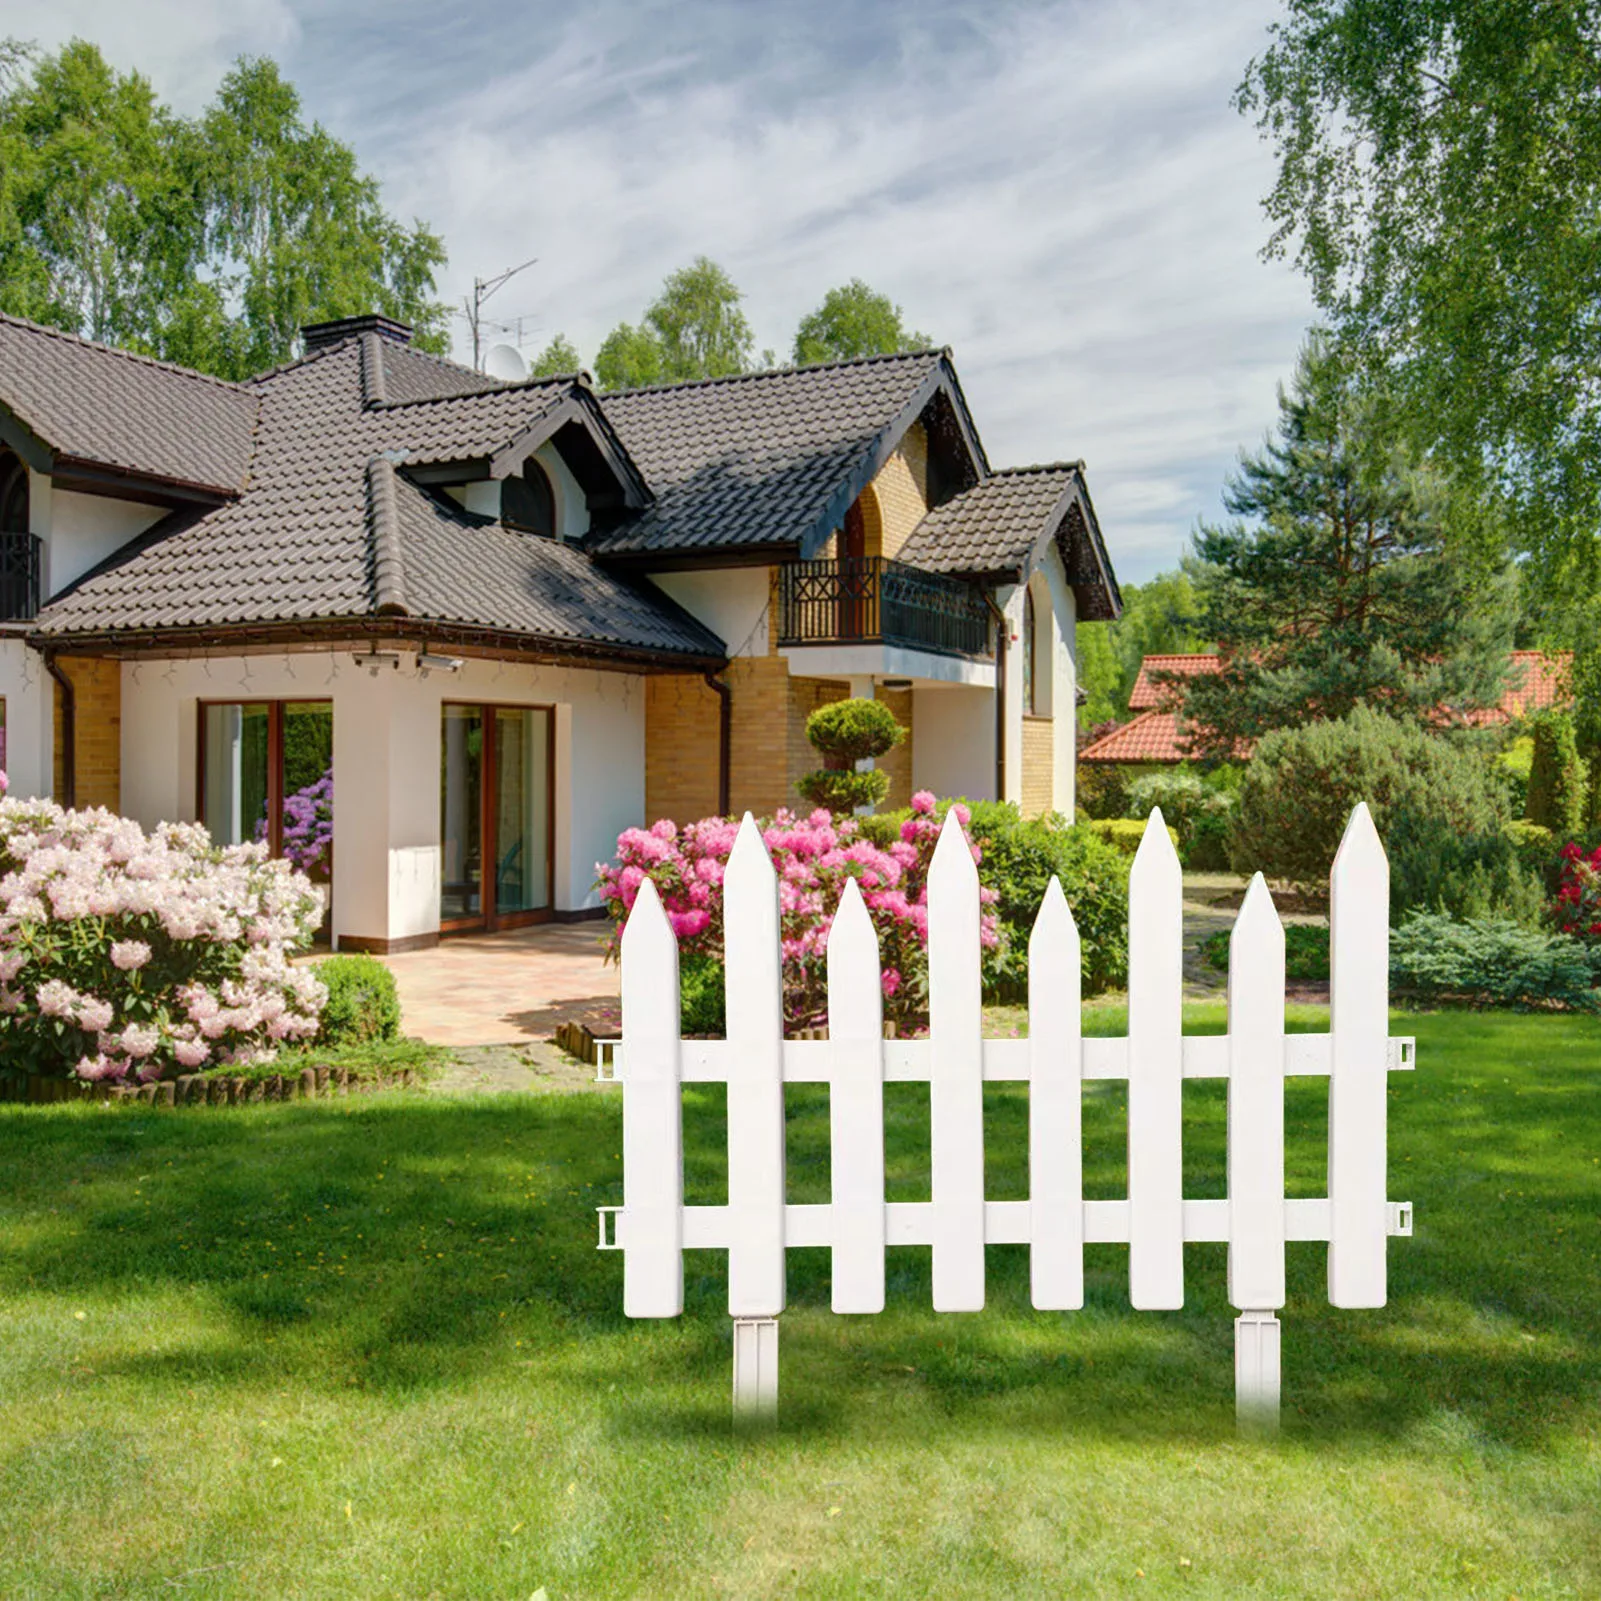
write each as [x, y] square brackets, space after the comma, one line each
[653, 1166]
[1359, 977]
[1055, 1109]
[856, 1106]
[956, 1073]
[1155, 1072]
[755, 1016]
[1256, 1104]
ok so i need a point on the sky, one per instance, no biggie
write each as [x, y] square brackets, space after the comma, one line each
[1061, 192]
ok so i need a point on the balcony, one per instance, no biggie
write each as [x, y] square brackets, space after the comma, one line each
[868, 600]
[19, 577]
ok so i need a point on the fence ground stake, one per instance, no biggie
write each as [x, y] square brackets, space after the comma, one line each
[755, 1369]
[1256, 1373]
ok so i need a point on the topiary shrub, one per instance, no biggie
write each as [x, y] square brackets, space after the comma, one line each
[1558, 792]
[844, 733]
[1488, 962]
[1299, 791]
[363, 1005]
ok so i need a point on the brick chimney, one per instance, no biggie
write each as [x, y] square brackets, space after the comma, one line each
[319, 335]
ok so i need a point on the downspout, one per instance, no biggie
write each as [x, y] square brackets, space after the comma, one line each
[725, 726]
[1001, 629]
[69, 730]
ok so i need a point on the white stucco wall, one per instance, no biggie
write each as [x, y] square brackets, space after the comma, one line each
[30, 730]
[386, 764]
[731, 601]
[953, 741]
[1063, 680]
[80, 531]
[482, 495]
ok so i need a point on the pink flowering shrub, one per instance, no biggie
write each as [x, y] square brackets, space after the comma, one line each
[124, 954]
[813, 857]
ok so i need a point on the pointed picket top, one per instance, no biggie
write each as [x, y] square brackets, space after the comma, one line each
[647, 926]
[1361, 857]
[855, 993]
[1156, 855]
[952, 864]
[1257, 925]
[749, 855]
[1054, 937]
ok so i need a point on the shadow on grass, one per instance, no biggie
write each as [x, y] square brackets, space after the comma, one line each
[400, 1242]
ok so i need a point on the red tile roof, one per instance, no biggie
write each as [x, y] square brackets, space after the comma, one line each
[1534, 682]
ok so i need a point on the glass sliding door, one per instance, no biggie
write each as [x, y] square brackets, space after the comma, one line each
[495, 815]
[236, 778]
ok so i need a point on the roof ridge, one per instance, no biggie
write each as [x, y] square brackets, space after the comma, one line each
[1036, 467]
[176, 368]
[528, 384]
[389, 568]
[777, 372]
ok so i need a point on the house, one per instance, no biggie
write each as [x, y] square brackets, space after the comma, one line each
[1154, 735]
[511, 620]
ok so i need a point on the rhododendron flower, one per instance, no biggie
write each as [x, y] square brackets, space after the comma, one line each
[129, 954]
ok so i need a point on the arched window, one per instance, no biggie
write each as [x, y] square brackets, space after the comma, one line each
[13, 494]
[527, 502]
[1029, 706]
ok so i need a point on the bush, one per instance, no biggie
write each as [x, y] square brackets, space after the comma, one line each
[126, 954]
[1578, 897]
[1018, 857]
[1515, 763]
[1465, 876]
[1299, 792]
[853, 730]
[702, 998]
[843, 791]
[1306, 952]
[1488, 962]
[363, 1007]
[1103, 791]
[1558, 782]
[1124, 834]
[1201, 814]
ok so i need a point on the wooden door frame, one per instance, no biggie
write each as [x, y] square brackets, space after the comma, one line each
[489, 919]
[275, 758]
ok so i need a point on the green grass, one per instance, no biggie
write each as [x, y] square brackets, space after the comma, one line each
[364, 1348]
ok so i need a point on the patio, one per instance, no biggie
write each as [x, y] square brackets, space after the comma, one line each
[507, 989]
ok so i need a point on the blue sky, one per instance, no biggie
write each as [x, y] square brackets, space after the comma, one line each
[1061, 192]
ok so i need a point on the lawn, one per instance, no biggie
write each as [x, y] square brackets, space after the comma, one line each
[365, 1349]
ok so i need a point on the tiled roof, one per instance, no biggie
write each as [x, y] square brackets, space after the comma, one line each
[325, 534]
[108, 408]
[993, 528]
[1534, 682]
[760, 459]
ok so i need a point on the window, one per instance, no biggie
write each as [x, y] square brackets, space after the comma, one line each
[19, 550]
[527, 502]
[1029, 704]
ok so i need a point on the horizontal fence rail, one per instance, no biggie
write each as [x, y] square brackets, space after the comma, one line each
[653, 1227]
[850, 600]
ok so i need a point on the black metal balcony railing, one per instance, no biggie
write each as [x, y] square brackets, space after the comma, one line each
[19, 577]
[866, 598]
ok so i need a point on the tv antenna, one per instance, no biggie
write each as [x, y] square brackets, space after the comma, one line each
[483, 288]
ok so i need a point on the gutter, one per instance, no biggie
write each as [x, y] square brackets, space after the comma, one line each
[69, 729]
[725, 727]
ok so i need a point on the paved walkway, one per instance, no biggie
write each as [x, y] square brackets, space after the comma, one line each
[507, 989]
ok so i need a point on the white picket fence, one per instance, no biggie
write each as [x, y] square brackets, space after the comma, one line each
[653, 1227]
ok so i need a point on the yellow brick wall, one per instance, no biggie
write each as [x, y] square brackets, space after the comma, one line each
[898, 763]
[97, 686]
[1038, 772]
[681, 735]
[900, 495]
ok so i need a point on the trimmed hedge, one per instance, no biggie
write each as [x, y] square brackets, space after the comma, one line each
[1125, 833]
[363, 1005]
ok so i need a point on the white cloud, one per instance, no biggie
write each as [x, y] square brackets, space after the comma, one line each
[1059, 191]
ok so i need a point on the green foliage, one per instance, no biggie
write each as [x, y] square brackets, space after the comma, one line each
[702, 997]
[558, 359]
[206, 240]
[1020, 855]
[1343, 580]
[1306, 952]
[1298, 793]
[1558, 795]
[843, 789]
[1201, 814]
[1484, 875]
[1515, 763]
[1485, 962]
[854, 729]
[363, 1007]
[1159, 618]
[1102, 790]
[693, 329]
[854, 320]
[1124, 834]
[1438, 166]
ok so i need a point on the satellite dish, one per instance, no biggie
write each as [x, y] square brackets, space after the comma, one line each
[503, 362]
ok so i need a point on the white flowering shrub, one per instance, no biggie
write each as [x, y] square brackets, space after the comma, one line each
[133, 955]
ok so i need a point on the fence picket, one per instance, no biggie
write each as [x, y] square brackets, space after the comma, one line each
[1359, 976]
[755, 1016]
[1155, 1081]
[1055, 1108]
[956, 1073]
[1256, 1104]
[653, 1168]
[856, 1106]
